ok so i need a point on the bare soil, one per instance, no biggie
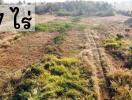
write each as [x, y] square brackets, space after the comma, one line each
[22, 53]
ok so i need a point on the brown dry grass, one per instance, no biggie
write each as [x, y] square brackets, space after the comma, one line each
[71, 44]
[22, 53]
[30, 48]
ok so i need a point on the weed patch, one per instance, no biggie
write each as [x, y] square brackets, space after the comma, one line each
[55, 26]
[55, 78]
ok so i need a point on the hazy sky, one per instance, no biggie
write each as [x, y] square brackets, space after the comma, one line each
[122, 4]
[10, 1]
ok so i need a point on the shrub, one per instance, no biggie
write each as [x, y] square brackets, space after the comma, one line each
[27, 84]
[119, 36]
[68, 61]
[73, 93]
[115, 43]
[25, 95]
[56, 78]
[58, 70]
[36, 69]
[112, 46]
[49, 58]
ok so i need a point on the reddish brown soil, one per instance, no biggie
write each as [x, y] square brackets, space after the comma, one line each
[72, 43]
[22, 53]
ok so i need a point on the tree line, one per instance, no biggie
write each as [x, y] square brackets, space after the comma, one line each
[76, 8]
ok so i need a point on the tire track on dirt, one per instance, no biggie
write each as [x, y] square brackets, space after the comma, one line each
[93, 55]
[88, 55]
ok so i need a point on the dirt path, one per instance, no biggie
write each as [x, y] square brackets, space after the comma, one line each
[22, 53]
[88, 55]
[92, 55]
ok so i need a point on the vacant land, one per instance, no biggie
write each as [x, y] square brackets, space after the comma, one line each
[88, 44]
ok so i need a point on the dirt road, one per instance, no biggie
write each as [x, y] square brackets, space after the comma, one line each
[102, 28]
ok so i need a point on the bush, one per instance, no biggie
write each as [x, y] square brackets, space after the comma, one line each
[120, 49]
[58, 70]
[119, 37]
[68, 61]
[115, 43]
[49, 58]
[36, 69]
[58, 78]
[73, 93]
[112, 46]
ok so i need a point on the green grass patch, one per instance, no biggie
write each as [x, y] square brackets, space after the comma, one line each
[54, 26]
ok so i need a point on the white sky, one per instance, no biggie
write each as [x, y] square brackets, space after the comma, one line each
[12, 1]
[122, 4]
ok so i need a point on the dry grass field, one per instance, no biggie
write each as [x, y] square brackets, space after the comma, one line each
[20, 50]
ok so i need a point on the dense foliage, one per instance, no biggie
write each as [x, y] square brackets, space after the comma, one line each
[76, 8]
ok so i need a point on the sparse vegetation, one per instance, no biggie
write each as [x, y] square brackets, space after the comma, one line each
[75, 65]
[119, 49]
[120, 78]
[58, 39]
[121, 81]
